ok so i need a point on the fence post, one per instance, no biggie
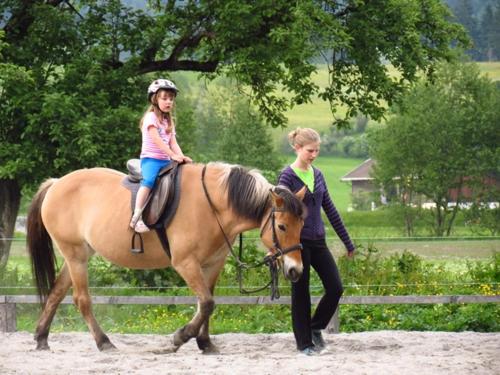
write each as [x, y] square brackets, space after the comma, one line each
[7, 317]
[334, 324]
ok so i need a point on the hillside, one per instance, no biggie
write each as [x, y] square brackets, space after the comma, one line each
[316, 114]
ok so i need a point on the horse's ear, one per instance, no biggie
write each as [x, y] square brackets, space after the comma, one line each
[300, 194]
[277, 200]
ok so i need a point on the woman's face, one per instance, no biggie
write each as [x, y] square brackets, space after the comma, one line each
[308, 153]
[166, 100]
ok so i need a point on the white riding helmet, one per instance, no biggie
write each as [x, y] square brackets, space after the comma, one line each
[158, 84]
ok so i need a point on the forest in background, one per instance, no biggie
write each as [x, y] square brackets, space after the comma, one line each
[481, 18]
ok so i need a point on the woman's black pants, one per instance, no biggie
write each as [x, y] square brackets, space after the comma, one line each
[317, 255]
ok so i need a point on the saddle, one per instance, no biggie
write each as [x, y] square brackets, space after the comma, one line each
[162, 202]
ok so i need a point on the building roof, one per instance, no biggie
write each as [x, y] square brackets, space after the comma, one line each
[361, 173]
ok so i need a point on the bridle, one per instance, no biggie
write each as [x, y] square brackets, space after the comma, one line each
[279, 251]
[269, 260]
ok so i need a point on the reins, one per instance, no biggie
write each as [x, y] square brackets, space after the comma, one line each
[269, 260]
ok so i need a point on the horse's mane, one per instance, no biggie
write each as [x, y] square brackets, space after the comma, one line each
[248, 192]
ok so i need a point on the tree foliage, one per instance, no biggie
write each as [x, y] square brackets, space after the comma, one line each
[261, 44]
[229, 129]
[481, 19]
[442, 138]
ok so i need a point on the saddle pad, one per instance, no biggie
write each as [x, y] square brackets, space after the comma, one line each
[133, 187]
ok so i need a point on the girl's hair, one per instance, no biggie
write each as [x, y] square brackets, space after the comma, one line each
[159, 114]
[303, 136]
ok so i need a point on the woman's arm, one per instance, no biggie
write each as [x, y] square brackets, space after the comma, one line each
[334, 218]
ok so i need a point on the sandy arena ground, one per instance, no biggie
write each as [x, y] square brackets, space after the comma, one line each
[381, 352]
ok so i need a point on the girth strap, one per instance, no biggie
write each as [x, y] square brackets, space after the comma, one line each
[164, 241]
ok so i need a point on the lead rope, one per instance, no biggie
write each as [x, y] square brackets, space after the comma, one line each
[273, 284]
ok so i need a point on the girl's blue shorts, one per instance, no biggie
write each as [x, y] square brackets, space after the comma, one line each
[150, 168]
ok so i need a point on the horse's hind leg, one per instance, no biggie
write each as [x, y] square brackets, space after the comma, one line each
[81, 297]
[61, 286]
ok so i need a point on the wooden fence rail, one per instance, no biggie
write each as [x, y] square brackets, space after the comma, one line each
[8, 303]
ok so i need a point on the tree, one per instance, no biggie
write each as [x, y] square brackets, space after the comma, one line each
[443, 137]
[488, 33]
[464, 12]
[88, 63]
[15, 84]
[231, 130]
[262, 44]
[494, 32]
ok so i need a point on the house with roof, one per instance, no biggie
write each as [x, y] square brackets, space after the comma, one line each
[360, 178]
[363, 188]
[362, 183]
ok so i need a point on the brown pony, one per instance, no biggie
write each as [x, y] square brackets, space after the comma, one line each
[88, 211]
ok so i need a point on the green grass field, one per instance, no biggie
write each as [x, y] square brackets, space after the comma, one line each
[491, 70]
[317, 114]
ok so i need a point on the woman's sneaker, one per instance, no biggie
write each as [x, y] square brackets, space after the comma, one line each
[310, 350]
[317, 339]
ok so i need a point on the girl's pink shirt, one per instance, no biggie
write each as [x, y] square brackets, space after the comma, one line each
[149, 148]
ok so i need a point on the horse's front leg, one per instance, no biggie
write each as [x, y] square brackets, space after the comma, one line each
[192, 273]
[211, 274]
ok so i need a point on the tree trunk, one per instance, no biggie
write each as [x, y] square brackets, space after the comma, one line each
[458, 200]
[440, 219]
[409, 214]
[10, 199]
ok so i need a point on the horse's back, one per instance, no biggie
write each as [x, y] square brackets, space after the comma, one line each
[81, 200]
[91, 207]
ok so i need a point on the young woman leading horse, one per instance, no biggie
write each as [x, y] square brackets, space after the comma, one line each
[88, 211]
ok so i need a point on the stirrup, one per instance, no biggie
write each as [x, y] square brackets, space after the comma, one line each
[137, 250]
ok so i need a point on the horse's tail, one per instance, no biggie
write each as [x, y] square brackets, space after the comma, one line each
[39, 244]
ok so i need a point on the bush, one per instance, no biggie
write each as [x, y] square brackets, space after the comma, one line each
[485, 272]
[362, 200]
[102, 273]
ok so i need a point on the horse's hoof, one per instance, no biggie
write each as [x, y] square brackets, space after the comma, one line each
[42, 345]
[106, 346]
[180, 337]
[211, 349]
[206, 346]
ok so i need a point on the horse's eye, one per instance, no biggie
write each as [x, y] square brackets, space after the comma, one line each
[282, 227]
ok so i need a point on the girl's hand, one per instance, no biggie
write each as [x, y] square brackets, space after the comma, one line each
[187, 159]
[177, 158]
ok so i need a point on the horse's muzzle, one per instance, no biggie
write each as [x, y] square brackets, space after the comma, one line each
[292, 272]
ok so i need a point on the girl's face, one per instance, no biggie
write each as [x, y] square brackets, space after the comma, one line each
[307, 153]
[165, 100]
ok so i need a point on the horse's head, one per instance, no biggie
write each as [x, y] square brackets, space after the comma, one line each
[280, 230]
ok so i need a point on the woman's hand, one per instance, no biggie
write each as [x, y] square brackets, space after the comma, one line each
[187, 159]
